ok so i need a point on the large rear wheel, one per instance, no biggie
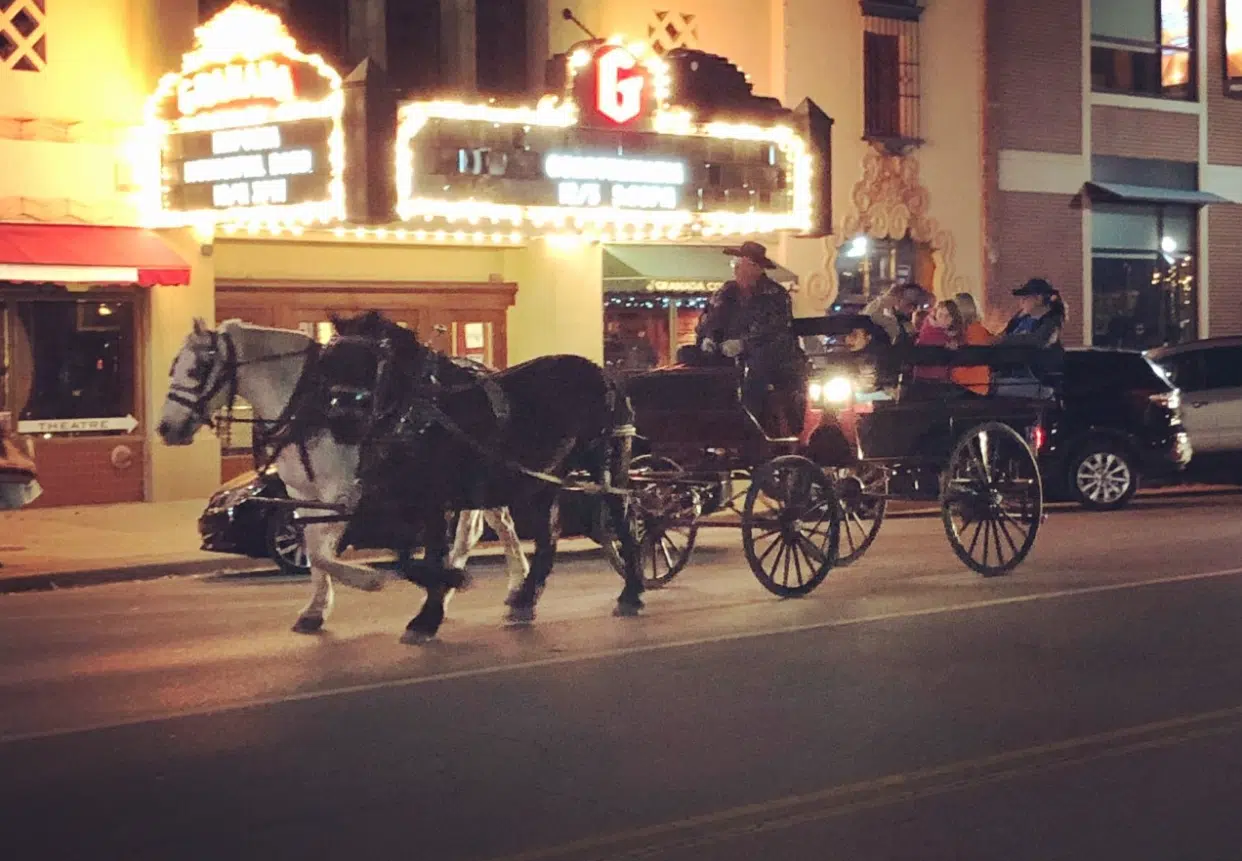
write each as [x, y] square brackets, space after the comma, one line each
[991, 499]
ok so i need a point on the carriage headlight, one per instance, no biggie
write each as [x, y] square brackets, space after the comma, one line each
[835, 390]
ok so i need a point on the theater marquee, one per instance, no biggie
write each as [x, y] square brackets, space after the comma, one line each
[613, 154]
[250, 129]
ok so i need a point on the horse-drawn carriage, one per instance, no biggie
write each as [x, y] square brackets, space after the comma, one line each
[378, 433]
[808, 502]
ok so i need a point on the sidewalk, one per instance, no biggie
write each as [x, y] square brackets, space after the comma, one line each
[60, 547]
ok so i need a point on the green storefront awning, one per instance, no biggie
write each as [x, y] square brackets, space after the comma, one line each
[672, 269]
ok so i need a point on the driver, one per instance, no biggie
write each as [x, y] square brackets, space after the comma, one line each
[750, 318]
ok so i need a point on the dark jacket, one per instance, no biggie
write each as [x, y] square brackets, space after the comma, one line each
[1042, 332]
[763, 324]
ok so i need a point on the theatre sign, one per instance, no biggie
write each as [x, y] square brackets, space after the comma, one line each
[250, 129]
[613, 154]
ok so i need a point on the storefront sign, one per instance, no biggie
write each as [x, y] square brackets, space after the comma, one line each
[250, 128]
[626, 183]
[612, 153]
[40, 426]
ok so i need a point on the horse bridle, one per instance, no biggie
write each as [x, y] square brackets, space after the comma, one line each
[210, 375]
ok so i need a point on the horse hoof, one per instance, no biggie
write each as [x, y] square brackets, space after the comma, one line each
[627, 610]
[520, 615]
[308, 625]
[413, 637]
[512, 599]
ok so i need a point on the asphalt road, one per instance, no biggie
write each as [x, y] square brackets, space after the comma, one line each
[1087, 706]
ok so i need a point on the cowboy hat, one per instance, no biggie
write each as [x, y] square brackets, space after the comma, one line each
[753, 252]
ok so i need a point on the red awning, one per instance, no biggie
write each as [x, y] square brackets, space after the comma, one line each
[73, 253]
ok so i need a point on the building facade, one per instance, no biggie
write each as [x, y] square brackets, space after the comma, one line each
[91, 305]
[1114, 163]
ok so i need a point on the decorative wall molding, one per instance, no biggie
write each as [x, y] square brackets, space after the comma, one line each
[889, 201]
[669, 30]
[23, 35]
[64, 210]
[62, 131]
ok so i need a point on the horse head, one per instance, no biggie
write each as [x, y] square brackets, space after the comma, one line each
[202, 377]
[370, 364]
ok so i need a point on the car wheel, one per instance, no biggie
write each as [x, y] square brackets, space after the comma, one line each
[1102, 477]
[285, 545]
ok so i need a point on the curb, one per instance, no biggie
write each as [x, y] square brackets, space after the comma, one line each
[226, 564]
[40, 581]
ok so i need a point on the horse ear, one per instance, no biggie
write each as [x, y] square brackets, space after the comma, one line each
[200, 326]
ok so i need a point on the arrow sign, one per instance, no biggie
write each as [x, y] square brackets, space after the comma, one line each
[38, 426]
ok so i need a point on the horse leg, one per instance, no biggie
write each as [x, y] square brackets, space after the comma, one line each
[426, 624]
[630, 601]
[522, 601]
[516, 566]
[322, 540]
[316, 611]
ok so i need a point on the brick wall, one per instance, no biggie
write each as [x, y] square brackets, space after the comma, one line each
[1038, 235]
[1225, 270]
[1224, 114]
[80, 471]
[1144, 134]
[1034, 69]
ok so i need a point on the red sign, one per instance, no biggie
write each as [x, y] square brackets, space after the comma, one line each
[614, 89]
[620, 85]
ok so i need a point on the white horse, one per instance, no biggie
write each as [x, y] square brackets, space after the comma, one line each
[263, 367]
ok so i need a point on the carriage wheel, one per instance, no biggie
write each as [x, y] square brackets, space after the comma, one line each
[861, 492]
[666, 539]
[791, 525]
[992, 499]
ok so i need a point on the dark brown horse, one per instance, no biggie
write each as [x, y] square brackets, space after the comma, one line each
[434, 442]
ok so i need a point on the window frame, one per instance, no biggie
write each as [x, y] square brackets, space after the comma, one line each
[1162, 211]
[1130, 46]
[1231, 85]
[13, 294]
[898, 20]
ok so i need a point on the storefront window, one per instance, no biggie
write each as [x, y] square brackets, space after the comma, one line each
[1143, 278]
[73, 360]
[1233, 47]
[867, 267]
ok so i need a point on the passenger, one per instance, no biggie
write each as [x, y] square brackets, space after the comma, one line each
[750, 319]
[1040, 318]
[1038, 323]
[895, 309]
[943, 328]
[977, 378]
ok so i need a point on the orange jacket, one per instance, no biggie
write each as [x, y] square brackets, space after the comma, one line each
[977, 378]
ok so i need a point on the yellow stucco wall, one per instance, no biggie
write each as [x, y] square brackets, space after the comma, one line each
[823, 61]
[741, 30]
[348, 261]
[560, 299]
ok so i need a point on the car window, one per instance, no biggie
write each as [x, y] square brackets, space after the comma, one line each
[1222, 368]
[1092, 371]
[1185, 370]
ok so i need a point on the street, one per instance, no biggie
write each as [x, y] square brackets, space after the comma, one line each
[1087, 706]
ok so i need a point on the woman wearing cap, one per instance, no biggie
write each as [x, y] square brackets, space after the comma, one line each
[1040, 317]
[1038, 323]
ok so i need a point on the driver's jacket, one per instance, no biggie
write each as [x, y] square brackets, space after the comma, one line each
[762, 324]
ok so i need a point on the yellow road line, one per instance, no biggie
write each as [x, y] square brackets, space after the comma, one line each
[792, 811]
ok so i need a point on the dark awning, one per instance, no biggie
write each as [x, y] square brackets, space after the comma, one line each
[672, 269]
[1117, 192]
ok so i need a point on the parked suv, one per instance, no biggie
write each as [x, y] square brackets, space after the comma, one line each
[1119, 422]
[1209, 375]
